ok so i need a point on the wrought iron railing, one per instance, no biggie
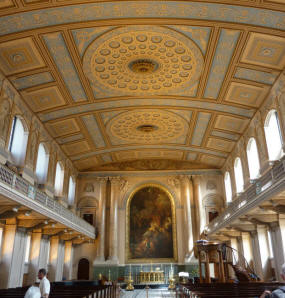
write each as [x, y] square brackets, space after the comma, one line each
[17, 183]
[272, 182]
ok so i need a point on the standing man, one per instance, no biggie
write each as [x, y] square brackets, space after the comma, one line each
[44, 283]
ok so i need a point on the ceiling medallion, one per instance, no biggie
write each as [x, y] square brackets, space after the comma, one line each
[147, 127]
[143, 66]
[143, 60]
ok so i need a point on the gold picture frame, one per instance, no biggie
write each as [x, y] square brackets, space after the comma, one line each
[174, 236]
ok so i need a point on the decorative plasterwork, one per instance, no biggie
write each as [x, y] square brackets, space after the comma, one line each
[76, 148]
[143, 60]
[32, 80]
[148, 127]
[150, 164]
[141, 9]
[246, 94]
[61, 56]
[265, 50]
[230, 123]
[19, 55]
[230, 85]
[223, 55]
[44, 99]
[63, 127]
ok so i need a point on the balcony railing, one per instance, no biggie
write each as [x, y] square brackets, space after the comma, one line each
[17, 185]
[271, 183]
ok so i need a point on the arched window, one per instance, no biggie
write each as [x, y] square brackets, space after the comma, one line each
[71, 191]
[228, 187]
[59, 174]
[273, 135]
[253, 159]
[238, 175]
[18, 142]
[42, 164]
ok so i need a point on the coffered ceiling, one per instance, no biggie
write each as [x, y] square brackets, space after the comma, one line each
[136, 80]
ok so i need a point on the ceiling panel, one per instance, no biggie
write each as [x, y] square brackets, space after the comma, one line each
[140, 80]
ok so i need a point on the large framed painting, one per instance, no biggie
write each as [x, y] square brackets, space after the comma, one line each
[151, 226]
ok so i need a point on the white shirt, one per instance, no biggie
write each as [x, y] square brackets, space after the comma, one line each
[44, 286]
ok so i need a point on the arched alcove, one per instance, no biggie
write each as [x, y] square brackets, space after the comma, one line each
[151, 225]
[87, 207]
[83, 269]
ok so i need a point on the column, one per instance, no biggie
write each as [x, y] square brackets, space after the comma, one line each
[100, 223]
[193, 209]
[256, 256]
[277, 248]
[185, 195]
[54, 243]
[44, 252]
[34, 257]
[199, 209]
[113, 243]
[9, 232]
[247, 251]
[60, 261]
[68, 260]
[240, 251]
[264, 251]
[13, 257]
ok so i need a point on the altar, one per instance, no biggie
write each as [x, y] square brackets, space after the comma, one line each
[151, 277]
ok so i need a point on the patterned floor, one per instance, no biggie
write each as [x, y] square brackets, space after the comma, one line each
[155, 293]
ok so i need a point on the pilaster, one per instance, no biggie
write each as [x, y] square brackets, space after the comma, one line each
[100, 221]
[256, 256]
[113, 243]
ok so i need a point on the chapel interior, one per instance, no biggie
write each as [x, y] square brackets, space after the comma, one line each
[130, 130]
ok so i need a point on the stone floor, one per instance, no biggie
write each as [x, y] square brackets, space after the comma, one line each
[151, 293]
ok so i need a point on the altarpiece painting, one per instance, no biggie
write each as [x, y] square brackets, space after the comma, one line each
[151, 225]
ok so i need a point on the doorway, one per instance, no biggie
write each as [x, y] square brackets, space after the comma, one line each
[83, 269]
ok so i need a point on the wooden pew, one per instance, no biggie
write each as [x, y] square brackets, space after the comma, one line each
[245, 290]
[67, 290]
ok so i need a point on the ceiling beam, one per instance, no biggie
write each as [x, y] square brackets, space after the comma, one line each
[13, 213]
[38, 226]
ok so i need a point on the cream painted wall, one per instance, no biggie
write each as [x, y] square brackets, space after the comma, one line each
[89, 187]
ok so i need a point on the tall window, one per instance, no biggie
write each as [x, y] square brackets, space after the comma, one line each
[228, 187]
[273, 135]
[42, 164]
[238, 175]
[59, 174]
[253, 160]
[18, 141]
[71, 191]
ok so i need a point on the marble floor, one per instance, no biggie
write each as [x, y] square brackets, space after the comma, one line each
[151, 293]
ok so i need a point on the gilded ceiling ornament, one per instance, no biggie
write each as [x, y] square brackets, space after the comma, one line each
[147, 126]
[143, 59]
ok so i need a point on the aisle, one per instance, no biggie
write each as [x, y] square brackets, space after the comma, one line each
[152, 293]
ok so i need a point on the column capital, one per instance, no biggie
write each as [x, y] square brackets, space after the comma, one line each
[273, 225]
[174, 181]
[115, 180]
[253, 233]
[196, 179]
[102, 180]
[183, 178]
